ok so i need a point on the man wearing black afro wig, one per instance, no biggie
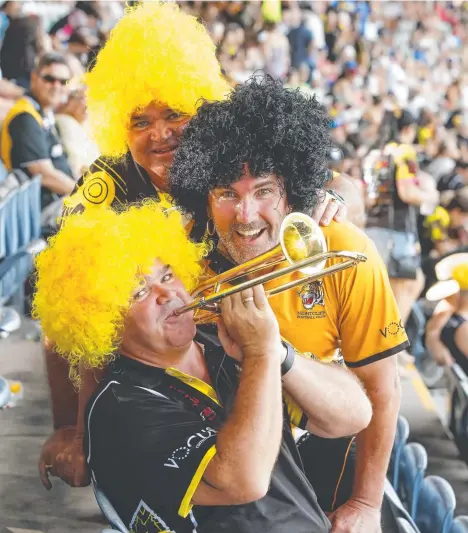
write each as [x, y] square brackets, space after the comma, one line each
[243, 164]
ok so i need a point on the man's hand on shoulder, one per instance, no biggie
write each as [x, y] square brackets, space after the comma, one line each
[330, 207]
[352, 207]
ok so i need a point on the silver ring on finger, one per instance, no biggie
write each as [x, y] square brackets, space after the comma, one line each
[248, 299]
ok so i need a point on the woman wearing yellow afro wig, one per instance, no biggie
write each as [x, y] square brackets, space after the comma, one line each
[156, 68]
[91, 268]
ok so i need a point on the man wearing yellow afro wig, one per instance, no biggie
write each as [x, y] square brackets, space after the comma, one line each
[447, 329]
[175, 429]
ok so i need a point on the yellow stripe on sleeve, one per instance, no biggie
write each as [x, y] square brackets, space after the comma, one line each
[186, 505]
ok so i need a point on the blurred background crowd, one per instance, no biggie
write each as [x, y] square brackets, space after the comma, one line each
[393, 76]
[390, 74]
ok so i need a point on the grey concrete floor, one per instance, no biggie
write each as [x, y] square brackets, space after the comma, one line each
[24, 503]
[26, 507]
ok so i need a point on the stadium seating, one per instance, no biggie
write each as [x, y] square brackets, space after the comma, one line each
[460, 525]
[413, 464]
[20, 231]
[401, 437]
[10, 206]
[436, 506]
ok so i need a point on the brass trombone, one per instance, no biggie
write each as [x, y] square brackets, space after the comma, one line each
[302, 244]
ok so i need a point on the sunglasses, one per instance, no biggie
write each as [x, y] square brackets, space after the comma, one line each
[52, 79]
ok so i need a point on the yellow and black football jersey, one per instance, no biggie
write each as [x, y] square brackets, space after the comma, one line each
[111, 183]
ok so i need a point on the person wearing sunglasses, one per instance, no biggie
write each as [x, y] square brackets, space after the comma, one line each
[30, 141]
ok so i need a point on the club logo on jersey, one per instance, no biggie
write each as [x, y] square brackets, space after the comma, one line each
[97, 190]
[312, 294]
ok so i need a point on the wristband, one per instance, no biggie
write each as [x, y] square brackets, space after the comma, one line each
[288, 362]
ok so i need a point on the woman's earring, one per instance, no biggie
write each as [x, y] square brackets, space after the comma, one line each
[210, 231]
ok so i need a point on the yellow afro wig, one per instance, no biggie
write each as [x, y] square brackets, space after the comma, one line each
[86, 275]
[155, 53]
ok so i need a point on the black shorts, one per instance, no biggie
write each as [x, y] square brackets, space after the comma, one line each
[329, 465]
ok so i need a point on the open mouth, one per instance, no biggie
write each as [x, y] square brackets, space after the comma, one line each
[250, 235]
[164, 150]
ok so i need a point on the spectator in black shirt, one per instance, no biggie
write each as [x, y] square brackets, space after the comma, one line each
[456, 179]
[186, 431]
[29, 138]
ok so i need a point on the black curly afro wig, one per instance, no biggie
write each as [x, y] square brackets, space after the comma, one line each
[271, 129]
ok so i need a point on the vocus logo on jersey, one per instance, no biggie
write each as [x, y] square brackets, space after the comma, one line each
[194, 441]
[392, 329]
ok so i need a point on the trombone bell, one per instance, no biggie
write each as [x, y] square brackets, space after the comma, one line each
[301, 238]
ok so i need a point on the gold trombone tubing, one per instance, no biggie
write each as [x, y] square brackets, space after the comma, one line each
[209, 303]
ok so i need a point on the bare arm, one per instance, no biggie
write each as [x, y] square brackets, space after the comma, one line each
[247, 445]
[330, 396]
[374, 444]
[63, 395]
[412, 194]
[70, 464]
[434, 327]
[10, 90]
[63, 454]
[52, 179]
[64, 410]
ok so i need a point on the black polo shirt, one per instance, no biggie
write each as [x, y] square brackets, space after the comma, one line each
[32, 137]
[150, 435]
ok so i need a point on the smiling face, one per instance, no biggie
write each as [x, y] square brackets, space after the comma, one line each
[248, 214]
[49, 86]
[153, 137]
[150, 326]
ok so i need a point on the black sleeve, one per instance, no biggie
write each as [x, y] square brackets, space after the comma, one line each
[160, 441]
[29, 143]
